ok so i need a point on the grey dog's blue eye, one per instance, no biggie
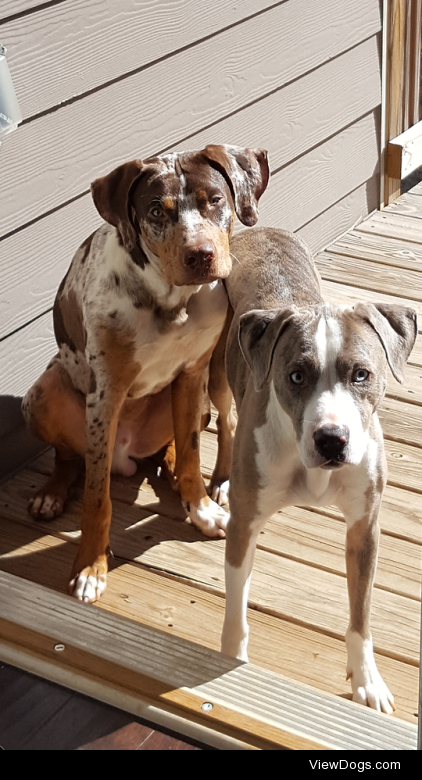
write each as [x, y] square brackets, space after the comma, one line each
[360, 375]
[297, 378]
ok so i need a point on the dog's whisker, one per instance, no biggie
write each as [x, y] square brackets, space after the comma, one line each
[234, 257]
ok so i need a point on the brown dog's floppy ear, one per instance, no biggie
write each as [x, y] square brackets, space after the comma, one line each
[247, 172]
[259, 331]
[396, 327]
[111, 195]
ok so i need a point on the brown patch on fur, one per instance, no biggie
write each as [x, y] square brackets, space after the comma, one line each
[361, 558]
[68, 320]
[168, 203]
[86, 247]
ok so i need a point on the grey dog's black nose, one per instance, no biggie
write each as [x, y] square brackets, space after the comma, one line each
[330, 442]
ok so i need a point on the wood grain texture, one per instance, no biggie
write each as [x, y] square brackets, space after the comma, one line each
[408, 205]
[11, 7]
[25, 355]
[164, 104]
[39, 255]
[74, 47]
[292, 200]
[392, 225]
[335, 292]
[185, 675]
[371, 246]
[147, 530]
[34, 261]
[285, 587]
[377, 277]
[142, 529]
[353, 208]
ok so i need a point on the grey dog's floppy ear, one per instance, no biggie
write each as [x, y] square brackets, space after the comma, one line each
[247, 172]
[111, 196]
[396, 327]
[259, 331]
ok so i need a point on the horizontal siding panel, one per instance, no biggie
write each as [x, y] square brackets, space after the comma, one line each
[33, 262]
[53, 159]
[12, 7]
[329, 225]
[68, 49]
[316, 181]
[25, 354]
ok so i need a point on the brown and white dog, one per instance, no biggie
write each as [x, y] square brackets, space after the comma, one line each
[136, 319]
[307, 378]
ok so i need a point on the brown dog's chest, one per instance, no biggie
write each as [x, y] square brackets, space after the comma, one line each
[180, 345]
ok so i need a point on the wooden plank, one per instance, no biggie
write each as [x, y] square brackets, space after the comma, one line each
[180, 608]
[384, 279]
[350, 210]
[401, 422]
[394, 226]
[396, 36]
[34, 260]
[161, 97]
[372, 246]
[416, 190]
[43, 45]
[145, 519]
[240, 694]
[284, 588]
[344, 294]
[291, 200]
[412, 63]
[148, 491]
[69, 49]
[408, 205]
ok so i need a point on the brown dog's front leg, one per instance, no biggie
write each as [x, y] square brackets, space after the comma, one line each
[361, 559]
[188, 392]
[89, 573]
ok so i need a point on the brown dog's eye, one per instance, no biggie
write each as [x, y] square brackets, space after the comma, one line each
[156, 212]
[216, 199]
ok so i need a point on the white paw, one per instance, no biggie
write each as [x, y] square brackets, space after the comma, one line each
[368, 687]
[210, 518]
[220, 493]
[234, 646]
[88, 587]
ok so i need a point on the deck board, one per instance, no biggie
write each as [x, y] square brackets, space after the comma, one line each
[168, 576]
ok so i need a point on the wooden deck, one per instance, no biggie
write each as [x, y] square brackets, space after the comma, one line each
[167, 576]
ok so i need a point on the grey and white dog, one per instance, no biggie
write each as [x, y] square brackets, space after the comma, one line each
[307, 378]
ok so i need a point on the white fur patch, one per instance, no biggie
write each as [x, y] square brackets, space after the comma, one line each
[88, 588]
[210, 518]
[367, 684]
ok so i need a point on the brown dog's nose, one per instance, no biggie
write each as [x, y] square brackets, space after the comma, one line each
[330, 442]
[199, 256]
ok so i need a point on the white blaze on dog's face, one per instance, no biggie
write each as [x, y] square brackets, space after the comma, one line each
[186, 217]
[177, 211]
[329, 376]
[328, 365]
[336, 417]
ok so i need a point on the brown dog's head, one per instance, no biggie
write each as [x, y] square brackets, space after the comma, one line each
[183, 206]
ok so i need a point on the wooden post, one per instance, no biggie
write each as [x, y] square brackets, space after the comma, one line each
[395, 18]
[401, 86]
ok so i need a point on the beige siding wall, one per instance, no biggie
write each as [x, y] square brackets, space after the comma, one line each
[103, 81]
